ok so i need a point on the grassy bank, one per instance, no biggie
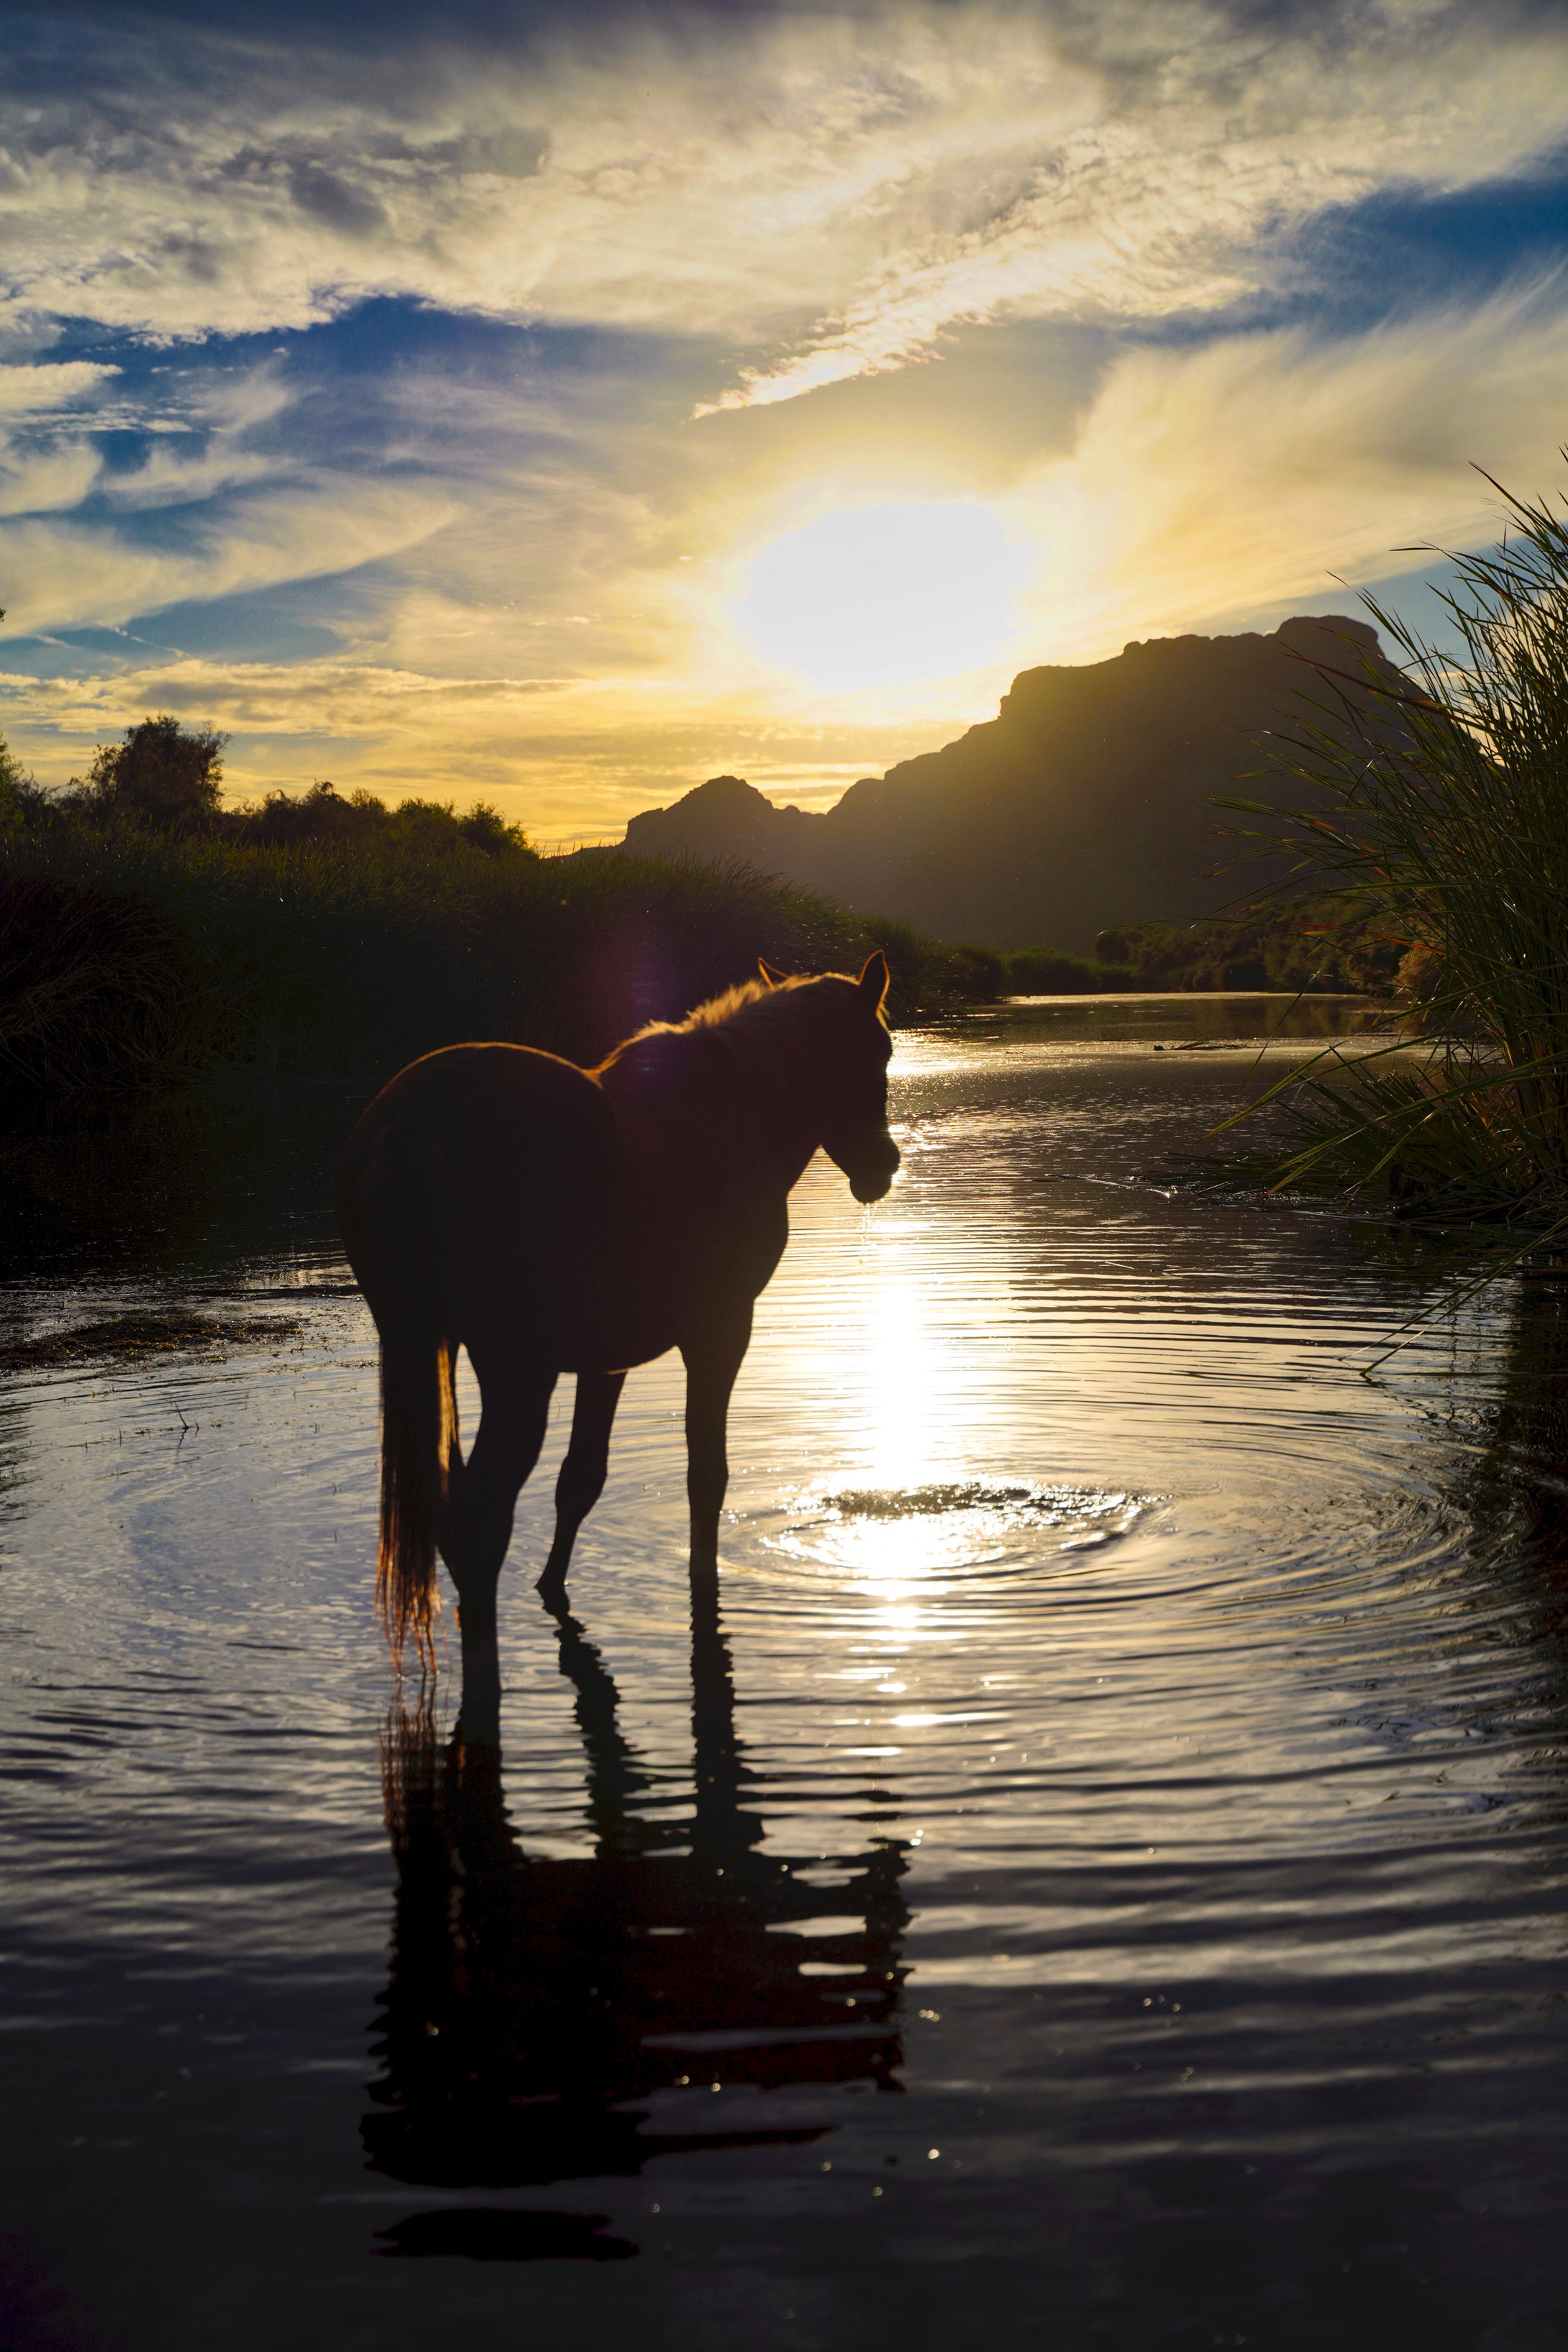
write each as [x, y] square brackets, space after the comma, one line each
[1040, 971]
[128, 954]
[1323, 946]
[1329, 944]
[1452, 841]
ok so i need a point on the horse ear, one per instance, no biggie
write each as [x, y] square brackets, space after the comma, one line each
[874, 980]
[774, 979]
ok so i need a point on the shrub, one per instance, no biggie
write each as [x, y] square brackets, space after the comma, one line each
[358, 955]
[1038, 971]
[323, 816]
[1321, 944]
[1449, 833]
[159, 776]
[93, 987]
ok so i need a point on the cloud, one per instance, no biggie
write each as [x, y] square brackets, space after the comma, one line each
[528, 543]
[570, 758]
[827, 193]
[1215, 483]
[1137, 210]
[1202, 488]
[43, 389]
[74, 574]
[206, 428]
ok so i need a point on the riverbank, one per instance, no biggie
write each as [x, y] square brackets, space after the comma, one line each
[128, 956]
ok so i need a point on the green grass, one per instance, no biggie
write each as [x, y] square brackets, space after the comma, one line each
[1323, 944]
[179, 955]
[1443, 821]
[1041, 972]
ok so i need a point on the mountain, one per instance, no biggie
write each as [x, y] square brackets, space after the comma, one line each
[1086, 801]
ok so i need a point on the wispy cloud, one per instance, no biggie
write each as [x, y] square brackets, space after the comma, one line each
[49, 388]
[569, 757]
[70, 573]
[828, 195]
[1212, 483]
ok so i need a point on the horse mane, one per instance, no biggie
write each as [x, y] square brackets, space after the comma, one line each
[758, 1022]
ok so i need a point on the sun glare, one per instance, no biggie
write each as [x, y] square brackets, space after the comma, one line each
[886, 595]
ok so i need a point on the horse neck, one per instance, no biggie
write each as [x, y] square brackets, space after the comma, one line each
[784, 1095]
[695, 1082]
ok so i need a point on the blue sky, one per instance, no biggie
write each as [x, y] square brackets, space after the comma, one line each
[540, 403]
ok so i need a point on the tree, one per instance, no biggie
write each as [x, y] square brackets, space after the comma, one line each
[22, 798]
[162, 775]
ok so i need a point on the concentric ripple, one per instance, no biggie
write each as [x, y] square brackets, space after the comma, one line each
[1108, 1859]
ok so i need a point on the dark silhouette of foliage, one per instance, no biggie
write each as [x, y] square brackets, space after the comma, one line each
[432, 828]
[92, 986]
[1040, 971]
[162, 775]
[1451, 837]
[1319, 945]
[357, 954]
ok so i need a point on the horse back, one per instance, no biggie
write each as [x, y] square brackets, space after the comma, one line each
[487, 1175]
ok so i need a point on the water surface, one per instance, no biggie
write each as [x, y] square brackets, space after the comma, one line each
[1099, 1880]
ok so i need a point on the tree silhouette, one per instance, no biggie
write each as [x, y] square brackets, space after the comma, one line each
[162, 775]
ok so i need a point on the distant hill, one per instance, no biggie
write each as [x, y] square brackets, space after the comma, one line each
[1086, 801]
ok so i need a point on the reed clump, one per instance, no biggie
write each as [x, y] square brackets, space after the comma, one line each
[342, 936]
[1439, 815]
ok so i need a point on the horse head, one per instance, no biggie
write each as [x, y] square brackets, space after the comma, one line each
[855, 1135]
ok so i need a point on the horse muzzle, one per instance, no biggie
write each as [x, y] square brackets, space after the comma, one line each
[871, 1169]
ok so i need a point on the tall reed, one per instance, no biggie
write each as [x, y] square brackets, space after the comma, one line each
[1440, 813]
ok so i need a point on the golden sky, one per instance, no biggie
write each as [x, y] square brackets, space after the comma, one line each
[561, 404]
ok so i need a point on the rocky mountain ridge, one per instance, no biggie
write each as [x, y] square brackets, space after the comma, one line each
[1086, 801]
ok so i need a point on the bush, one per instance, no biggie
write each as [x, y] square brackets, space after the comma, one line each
[146, 932]
[359, 955]
[161, 775]
[1038, 971]
[1449, 833]
[322, 815]
[1320, 945]
[93, 987]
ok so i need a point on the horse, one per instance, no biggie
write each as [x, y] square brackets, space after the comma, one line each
[552, 1219]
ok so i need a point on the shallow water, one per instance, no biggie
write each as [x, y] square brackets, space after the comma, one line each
[1100, 1882]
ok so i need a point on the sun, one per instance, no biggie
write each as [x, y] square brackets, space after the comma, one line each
[886, 595]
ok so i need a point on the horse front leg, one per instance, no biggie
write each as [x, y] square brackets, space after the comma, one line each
[476, 1523]
[582, 1479]
[713, 1355]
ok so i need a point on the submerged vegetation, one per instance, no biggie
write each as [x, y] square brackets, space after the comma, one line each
[1447, 831]
[148, 934]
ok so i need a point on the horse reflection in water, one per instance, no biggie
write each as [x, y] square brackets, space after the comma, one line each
[535, 2003]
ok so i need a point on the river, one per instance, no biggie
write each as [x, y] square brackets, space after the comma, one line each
[1099, 1883]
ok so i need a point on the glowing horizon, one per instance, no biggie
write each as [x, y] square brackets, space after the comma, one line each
[597, 412]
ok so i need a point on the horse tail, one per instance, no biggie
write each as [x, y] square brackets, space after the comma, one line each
[405, 1281]
[419, 1446]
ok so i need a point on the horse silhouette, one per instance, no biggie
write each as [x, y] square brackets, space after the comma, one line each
[552, 1219]
[534, 2002]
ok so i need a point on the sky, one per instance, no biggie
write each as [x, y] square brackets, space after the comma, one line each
[558, 404]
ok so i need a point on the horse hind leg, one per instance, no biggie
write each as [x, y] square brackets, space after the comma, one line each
[476, 1518]
[582, 1479]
